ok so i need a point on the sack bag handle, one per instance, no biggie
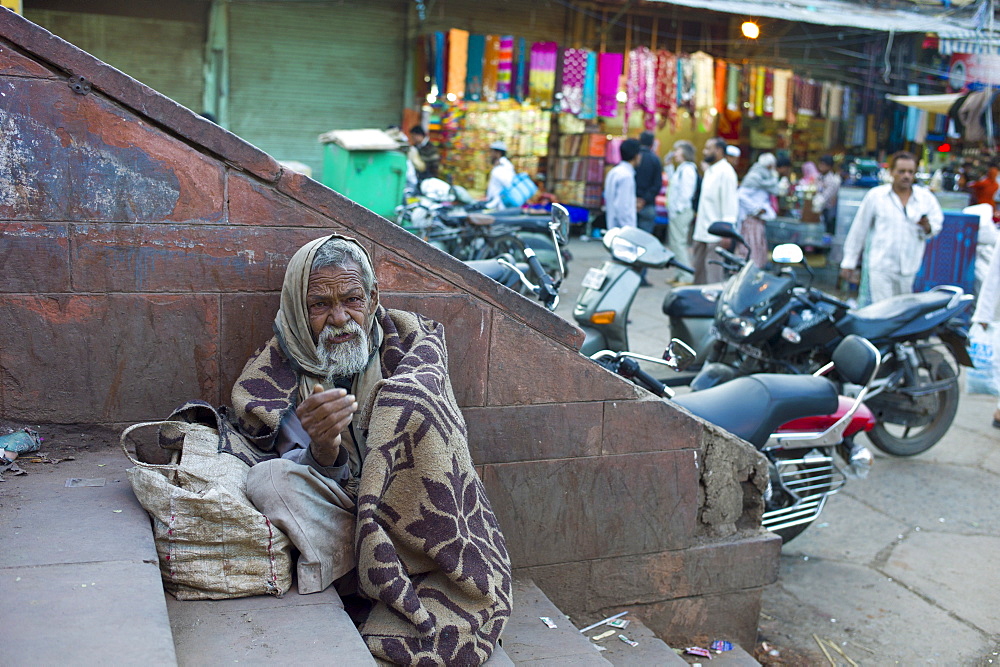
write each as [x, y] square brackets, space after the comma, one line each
[142, 464]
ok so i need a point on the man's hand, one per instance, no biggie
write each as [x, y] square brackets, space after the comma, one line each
[925, 224]
[851, 275]
[324, 416]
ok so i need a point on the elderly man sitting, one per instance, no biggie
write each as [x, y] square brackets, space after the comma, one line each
[366, 466]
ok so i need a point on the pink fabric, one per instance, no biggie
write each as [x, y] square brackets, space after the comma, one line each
[609, 71]
[505, 66]
[641, 88]
[573, 75]
[542, 78]
[613, 154]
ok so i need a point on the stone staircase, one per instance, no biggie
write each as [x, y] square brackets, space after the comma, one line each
[80, 585]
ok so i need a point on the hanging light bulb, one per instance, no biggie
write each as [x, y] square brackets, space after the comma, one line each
[750, 30]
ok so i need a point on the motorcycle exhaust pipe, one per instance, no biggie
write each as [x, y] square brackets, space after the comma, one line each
[859, 460]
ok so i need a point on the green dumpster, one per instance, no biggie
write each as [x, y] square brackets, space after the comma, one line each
[365, 166]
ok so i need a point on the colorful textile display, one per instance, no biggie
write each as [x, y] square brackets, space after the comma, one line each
[458, 52]
[685, 82]
[588, 106]
[760, 82]
[504, 67]
[474, 68]
[519, 85]
[720, 85]
[491, 68]
[704, 88]
[733, 87]
[666, 87]
[573, 76]
[641, 85]
[782, 81]
[542, 79]
[609, 71]
[440, 60]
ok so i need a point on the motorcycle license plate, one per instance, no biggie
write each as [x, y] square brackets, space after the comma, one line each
[595, 278]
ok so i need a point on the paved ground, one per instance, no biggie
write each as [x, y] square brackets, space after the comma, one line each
[901, 567]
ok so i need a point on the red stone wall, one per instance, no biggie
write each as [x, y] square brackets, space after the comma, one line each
[143, 249]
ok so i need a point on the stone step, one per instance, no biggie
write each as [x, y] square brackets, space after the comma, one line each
[78, 572]
[309, 629]
[527, 640]
[650, 651]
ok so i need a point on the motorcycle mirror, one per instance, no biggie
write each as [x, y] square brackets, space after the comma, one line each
[723, 229]
[787, 253]
[679, 355]
[560, 221]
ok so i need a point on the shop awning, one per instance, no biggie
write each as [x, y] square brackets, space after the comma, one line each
[933, 103]
[842, 13]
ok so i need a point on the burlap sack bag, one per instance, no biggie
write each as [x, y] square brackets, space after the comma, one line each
[211, 541]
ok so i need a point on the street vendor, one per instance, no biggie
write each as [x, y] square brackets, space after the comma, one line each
[366, 465]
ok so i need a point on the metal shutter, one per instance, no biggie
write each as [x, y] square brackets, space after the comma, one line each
[165, 55]
[298, 69]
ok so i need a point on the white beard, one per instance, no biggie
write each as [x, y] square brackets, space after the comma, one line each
[343, 359]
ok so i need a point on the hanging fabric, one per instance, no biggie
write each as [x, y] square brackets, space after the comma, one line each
[720, 85]
[588, 105]
[641, 85]
[491, 68]
[422, 71]
[458, 52]
[782, 80]
[474, 68]
[504, 73]
[760, 82]
[440, 61]
[704, 88]
[836, 104]
[666, 87]
[609, 71]
[543, 72]
[685, 82]
[520, 83]
[573, 76]
[733, 88]
[768, 92]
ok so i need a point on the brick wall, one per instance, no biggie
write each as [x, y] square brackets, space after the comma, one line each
[143, 249]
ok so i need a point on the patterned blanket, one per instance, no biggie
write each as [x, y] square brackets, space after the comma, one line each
[430, 553]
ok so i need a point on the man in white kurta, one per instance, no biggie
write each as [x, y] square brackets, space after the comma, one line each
[620, 203]
[892, 227]
[718, 203]
[501, 175]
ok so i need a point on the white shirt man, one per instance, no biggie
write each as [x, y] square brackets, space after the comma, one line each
[682, 177]
[719, 202]
[619, 188]
[892, 227]
[501, 175]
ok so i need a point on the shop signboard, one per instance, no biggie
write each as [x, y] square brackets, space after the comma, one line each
[970, 70]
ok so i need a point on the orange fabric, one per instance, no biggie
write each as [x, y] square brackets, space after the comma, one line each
[458, 54]
[985, 188]
[720, 85]
[491, 68]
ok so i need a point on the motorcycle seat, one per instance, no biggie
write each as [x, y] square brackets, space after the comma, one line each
[481, 219]
[882, 318]
[754, 406]
[692, 300]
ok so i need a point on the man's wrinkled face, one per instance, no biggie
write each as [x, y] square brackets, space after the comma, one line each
[340, 314]
[903, 173]
[678, 156]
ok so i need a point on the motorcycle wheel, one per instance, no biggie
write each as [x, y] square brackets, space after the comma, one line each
[900, 439]
[807, 478]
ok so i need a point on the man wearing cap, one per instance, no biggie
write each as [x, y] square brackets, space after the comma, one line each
[501, 175]
[733, 155]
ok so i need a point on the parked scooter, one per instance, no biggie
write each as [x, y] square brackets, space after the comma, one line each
[771, 322]
[797, 421]
[601, 310]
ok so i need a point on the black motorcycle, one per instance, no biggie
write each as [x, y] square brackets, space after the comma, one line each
[769, 321]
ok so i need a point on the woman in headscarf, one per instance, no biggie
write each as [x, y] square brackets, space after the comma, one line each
[755, 193]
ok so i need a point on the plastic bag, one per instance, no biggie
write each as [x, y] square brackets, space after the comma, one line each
[982, 348]
[519, 191]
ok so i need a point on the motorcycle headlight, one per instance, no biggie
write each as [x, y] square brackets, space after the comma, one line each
[738, 325]
[625, 250]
